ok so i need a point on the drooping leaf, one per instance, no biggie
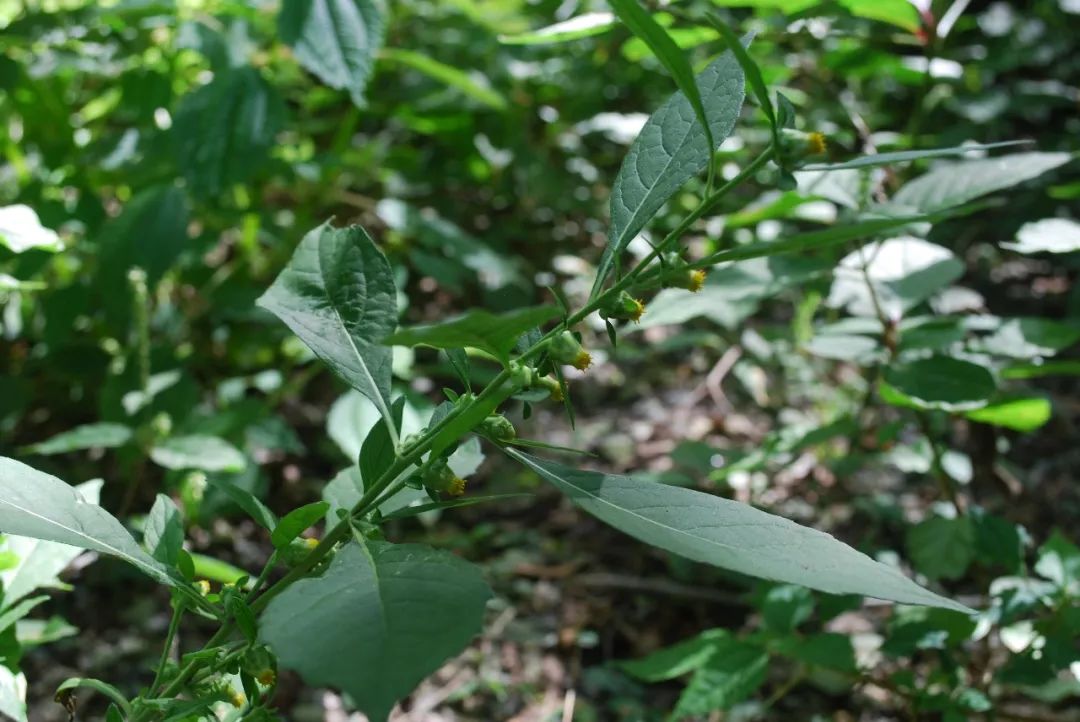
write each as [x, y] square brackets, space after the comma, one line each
[670, 150]
[39, 505]
[378, 621]
[469, 86]
[468, 420]
[163, 535]
[954, 184]
[938, 382]
[198, 451]
[905, 156]
[335, 39]
[1050, 235]
[296, 522]
[14, 612]
[21, 230]
[338, 295]
[672, 57]
[1019, 414]
[581, 26]
[103, 435]
[730, 535]
[225, 129]
[481, 329]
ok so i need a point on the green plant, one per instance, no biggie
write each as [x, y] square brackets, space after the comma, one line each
[339, 295]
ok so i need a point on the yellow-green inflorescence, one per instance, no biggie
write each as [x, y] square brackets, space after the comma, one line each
[440, 477]
[566, 349]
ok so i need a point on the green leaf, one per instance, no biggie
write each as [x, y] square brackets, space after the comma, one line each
[21, 231]
[730, 535]
[953, 184]
[1018, 414]
[225, 129]
[245, 618]
[338, 295]
[163, 535]
[906, 156]
[100, 687]
[752, 73]
[785, 607]
[378, 621]
[378, 451]
[670, 55]
[733, 673]
[296, 522]
[1059, 561]
[198, 451]
[581, 26]
[997, 541]
[335, 39]
[938, 382]
[38, 505]
[40, 562]
[216, 570]
[150, 233]
[670, 150]
[466, 421]
[828, 649]
[12, 694]
[457, 79]
[15, 612]
[1050, 235]
[247, 501]
[102, 435]
[901, 13]
[676, 660]
[942, 548]
[494, 333]
[1026, 337]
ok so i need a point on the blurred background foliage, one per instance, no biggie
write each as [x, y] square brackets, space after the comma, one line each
[198, 140]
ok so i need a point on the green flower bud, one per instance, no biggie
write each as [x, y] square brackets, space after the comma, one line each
[521, 374]
[440, 477]
[566, 349]
[623, 307]
[554, 388]
[297, 551]
[498, 427]
[797, 146]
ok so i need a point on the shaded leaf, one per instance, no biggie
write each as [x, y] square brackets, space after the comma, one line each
[942, 548]
[733, 673]
[208, 453]
[102, 435]
[676, 660]
[490, 332]
[395, 612]
[163, 535]
[335, 39]
[296, 522]
[938, 382]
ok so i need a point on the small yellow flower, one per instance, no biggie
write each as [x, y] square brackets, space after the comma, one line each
[266, 677]
[203, 586]
[236, 697]
[582, 360]
[310, 542]
[456, 487]
[816, 143]
[696, 281]
[639, 308]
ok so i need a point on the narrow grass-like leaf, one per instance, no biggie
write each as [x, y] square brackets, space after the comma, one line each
[447, 74]
[904, 156]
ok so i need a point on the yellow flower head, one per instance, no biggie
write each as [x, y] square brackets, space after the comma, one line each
[696, 280]
[639, 308]
[456, 487]
[236, 697]
[816, 143]
[582, 360]
[203, 586]
[266, 677]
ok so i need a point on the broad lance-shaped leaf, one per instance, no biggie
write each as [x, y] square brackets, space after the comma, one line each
[670, 150]
[731, 535]
[335, 39]
[956, 183]
[338, 295]
[378, 621]
[35, 504]
[495, 333]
